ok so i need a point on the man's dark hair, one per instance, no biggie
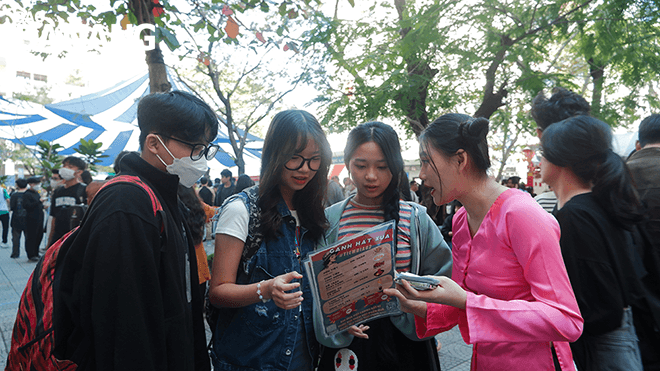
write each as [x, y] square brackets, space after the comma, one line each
[117, 164]
[226, 173]
[86, 177]
[204, 180]
[56, 171]
[21, 183]
[34, 180]
[514, 179]
[176, 114]
[562, 104]
[649, 130]
[76, 162]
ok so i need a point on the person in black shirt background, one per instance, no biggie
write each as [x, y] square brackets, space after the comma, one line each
[18, 217]
[598, 205]
[205, 193]
[34, 226]
[66, 204]
[226, 188]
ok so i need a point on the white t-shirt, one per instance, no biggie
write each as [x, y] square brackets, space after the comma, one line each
[234, 218]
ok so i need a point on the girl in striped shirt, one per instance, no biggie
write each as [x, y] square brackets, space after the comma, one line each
[373, 158]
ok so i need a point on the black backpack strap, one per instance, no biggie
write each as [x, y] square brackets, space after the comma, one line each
[255, 236]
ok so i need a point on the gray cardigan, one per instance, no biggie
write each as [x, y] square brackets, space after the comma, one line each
[430, 255]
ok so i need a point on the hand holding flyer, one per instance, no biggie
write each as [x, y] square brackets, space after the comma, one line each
[348, 278]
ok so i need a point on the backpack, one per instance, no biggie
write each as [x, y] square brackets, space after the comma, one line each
[20, 214]
[254, 238]
[32, 340]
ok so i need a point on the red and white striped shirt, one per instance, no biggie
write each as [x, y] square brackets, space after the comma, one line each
[357, 217]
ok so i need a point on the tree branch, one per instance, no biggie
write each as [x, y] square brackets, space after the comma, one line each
[554, 22]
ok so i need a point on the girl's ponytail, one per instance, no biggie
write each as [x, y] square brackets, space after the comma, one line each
[613, 187]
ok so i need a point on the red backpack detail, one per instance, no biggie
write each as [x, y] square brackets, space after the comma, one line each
[32, 338]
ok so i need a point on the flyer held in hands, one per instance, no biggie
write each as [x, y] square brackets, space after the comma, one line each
[349, 276]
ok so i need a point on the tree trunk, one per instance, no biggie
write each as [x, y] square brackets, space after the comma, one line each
[596, 70]
[494, 100]
[240, 163]
[158, 83]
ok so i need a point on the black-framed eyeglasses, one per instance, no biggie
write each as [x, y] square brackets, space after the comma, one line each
[296, 162]
[199, 150]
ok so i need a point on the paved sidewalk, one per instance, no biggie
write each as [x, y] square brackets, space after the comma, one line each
[14, 274]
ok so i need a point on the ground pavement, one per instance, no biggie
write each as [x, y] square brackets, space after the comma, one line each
[454, 355]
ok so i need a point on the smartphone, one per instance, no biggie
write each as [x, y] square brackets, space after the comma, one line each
[417, 282]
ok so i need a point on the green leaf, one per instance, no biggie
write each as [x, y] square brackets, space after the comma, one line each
[108, 18]
[210, 28]
[282, 9]
[199, 25]
[168, 37]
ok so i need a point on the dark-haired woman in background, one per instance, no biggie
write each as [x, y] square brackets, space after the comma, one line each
[196, 214]
[243, 181]
[266, 324]
[373, 158]
[509, 292]
[597, 203]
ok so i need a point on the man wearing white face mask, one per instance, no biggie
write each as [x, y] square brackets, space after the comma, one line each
[56, 180]
[129, 296]
[66, 207]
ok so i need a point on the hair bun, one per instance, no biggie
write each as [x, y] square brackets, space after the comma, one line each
[474, 129]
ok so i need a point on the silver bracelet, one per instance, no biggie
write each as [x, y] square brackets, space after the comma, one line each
[261, 297]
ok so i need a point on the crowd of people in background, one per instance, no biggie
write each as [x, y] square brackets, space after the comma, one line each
[568, 279]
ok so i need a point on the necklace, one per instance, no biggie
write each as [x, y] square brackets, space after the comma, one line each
[297, 241]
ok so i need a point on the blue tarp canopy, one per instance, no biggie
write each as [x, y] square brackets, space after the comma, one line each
[108, 116]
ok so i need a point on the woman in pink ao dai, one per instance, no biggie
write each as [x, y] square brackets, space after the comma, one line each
[509, 293]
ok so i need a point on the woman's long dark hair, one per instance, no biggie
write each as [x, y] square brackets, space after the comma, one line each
[243, 181]
[287, 135]
[195, 215]
[452, 132]
[584, 145]
[388, 141]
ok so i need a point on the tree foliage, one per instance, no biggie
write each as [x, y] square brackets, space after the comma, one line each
[228, 41]
[48, 156]
[233, 72]
[412, 60]
[90, 151]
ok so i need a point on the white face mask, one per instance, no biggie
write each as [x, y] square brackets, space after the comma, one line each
[37, 187]
[55, 183]
[189, 171]
[67, 174]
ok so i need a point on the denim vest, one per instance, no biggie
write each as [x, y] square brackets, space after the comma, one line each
[262, 336]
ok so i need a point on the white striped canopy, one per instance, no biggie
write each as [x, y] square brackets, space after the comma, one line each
[108, 116]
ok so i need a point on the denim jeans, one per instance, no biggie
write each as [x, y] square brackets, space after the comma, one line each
[615, 350]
